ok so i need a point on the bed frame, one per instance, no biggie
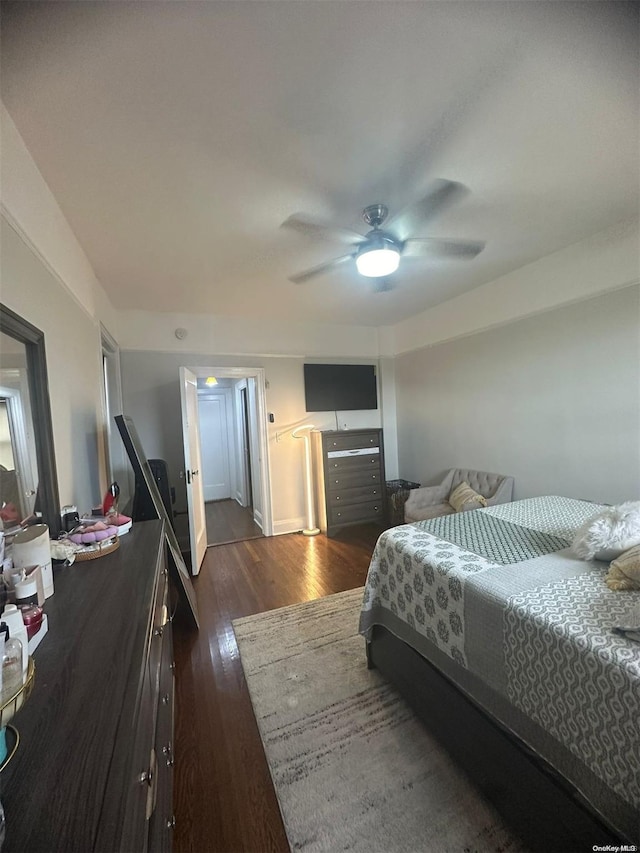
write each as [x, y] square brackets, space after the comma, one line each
[540, 806]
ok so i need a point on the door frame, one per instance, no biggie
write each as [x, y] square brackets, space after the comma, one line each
[257, 373]
[25, 479]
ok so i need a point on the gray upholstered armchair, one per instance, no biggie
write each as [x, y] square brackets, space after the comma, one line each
[432, 501]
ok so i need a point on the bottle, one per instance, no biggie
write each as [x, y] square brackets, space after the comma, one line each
[12, 617]
[12, 677]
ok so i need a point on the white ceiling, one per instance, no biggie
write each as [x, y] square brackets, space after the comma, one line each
[177, 137]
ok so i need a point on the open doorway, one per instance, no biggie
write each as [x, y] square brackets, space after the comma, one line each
[233, 443]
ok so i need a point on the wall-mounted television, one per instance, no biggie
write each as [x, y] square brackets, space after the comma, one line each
[340, 387]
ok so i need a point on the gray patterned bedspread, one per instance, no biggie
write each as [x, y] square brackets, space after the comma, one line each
[497, 592]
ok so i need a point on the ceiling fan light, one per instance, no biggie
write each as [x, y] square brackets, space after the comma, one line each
[378, 262]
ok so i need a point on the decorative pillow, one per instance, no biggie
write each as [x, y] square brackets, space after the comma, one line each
[624, 573]
[463, 498]
[608, 534]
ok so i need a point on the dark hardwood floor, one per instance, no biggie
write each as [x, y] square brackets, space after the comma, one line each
[227, 521]
[224, 799]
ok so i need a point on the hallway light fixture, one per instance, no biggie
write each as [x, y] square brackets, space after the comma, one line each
[210, 381]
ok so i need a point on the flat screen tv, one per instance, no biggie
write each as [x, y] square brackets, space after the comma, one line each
[144, 474]
[340, 387]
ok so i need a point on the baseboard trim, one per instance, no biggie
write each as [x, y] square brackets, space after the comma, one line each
[288, 525]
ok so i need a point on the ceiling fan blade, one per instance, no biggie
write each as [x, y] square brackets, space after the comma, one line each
[441, 248]
[301, 277]
[440, 196]
[310, 228]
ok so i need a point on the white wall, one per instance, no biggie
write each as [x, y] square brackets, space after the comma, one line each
[28, 204]
[72, 342]
[606, 261]
[48, 280]
[553, 400]
[208, 333]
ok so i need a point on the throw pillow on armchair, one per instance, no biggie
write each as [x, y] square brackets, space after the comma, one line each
[464, 498]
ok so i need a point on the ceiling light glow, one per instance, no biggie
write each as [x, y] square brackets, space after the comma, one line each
[210, 381]
[379, 257]
[378, 262]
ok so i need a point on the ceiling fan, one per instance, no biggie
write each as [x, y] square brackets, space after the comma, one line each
[377, 254]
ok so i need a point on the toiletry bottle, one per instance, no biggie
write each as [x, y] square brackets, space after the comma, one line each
[12, 677]
[12, 617]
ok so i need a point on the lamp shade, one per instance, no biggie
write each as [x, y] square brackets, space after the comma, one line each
[378, 256]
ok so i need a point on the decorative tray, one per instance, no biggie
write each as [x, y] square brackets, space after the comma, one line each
[98, 549]
[15, 702]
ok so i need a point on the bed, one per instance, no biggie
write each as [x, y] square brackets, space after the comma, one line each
[503, 643]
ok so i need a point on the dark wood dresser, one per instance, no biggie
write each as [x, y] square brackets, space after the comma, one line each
[349, 478]
[94, 766]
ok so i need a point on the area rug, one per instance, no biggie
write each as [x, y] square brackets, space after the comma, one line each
[352, 767]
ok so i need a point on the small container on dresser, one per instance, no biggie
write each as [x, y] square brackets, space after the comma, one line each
[349, 478]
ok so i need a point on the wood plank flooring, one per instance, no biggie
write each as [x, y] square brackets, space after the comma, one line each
[227, 521]
[224, 799]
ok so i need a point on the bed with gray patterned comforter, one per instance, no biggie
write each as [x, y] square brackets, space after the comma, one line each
[495, 599]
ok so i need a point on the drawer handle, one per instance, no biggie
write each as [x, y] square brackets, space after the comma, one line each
[375, 509]
[165, 699]
[166, 751]
[171, 823]
[337, 497]
[172, 666]
[145, 776]
[373, 461]
[158, 631]
[337, 482]
[374, 492]
[338, 514]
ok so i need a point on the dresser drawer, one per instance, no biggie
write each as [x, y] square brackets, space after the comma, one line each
[342, 479]
[353, 463]
[161, 821]
[356, 494]
[351, 442]
[365, 511]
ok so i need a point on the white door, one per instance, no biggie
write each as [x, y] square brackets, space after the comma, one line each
[214, 441]
[193, 467]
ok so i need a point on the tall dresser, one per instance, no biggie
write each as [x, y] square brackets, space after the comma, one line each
[349, 478]
[93, 770]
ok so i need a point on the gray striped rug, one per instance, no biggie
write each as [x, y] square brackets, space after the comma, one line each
[352, 767]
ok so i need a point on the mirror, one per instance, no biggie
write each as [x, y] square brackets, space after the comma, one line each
[28, 475]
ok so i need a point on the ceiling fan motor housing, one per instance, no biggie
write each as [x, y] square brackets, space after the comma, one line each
[375, 214]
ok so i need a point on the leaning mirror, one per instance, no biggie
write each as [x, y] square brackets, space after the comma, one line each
[28, 476]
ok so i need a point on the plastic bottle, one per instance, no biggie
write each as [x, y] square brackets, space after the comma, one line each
[12, 617]
[12, 676]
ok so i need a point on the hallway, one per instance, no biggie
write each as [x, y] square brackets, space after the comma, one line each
[228, 522]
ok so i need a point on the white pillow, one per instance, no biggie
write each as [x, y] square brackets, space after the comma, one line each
[608, 534]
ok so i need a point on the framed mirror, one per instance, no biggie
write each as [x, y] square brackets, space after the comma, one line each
[26, 430]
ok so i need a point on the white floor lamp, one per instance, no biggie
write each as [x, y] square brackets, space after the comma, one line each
[310, 529]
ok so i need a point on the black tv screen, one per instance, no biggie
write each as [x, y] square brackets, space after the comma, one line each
[340, 387]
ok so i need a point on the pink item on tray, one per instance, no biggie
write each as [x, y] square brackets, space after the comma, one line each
[93, 533]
